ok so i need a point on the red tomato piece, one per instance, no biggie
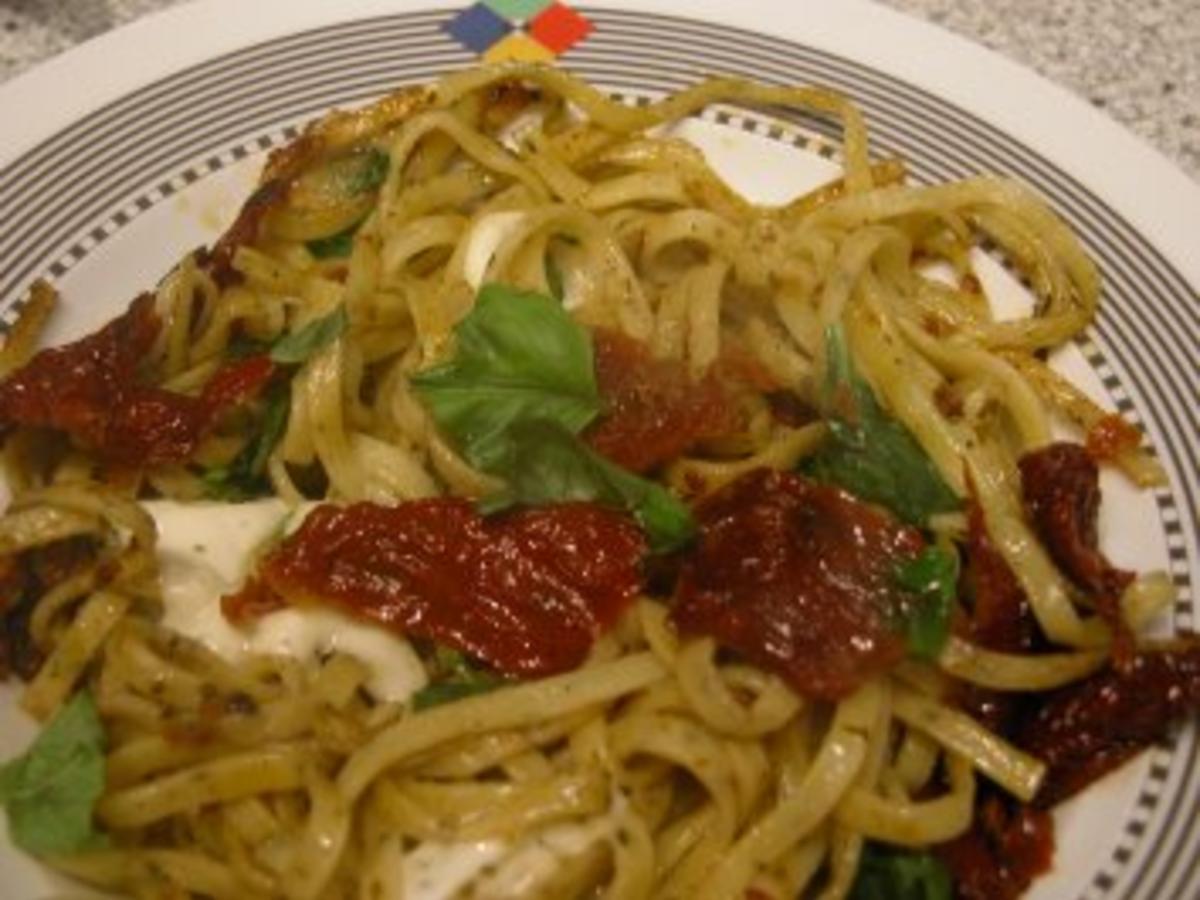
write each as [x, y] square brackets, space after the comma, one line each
[91, 390]
[526, 592]
[1009, 845]
[1061, 487]
[1110, 437]
[656, 410]
[799, 578]
[1087, 729]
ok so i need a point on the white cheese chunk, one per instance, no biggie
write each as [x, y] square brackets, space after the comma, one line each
[441, 871]
[437, 871]
[535, 860]
[485, 238]
[206, 550]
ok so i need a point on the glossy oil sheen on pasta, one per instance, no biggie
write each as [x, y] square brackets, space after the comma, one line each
[270, 763]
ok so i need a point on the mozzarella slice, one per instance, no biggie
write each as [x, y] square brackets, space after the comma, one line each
[535, 860]
[437, 871]
[485, 869]
[206, 550]
[485, 238]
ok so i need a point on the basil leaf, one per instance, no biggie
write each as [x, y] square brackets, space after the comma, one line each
[274, 424]
[449, 661]
[869, 453]
[50, 791]
[224, 483]
[932, 577]
[520, 388]
[299, 346]
[885, 873]
[519, 356]
[363, 171]
[244, 478]
[546, 463]
[243, 347]
[336, 245]
[460, 678]
[449, 691]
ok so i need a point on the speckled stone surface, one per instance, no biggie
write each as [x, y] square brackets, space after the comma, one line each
[1137, 59]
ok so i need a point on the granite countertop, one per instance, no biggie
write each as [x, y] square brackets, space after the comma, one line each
[1140, 61]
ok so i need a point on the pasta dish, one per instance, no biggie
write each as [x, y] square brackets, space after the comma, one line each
[505, 506]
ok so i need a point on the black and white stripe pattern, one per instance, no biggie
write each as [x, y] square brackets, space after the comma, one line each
[62, 199]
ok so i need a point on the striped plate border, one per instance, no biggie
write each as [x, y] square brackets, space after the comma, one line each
[66, 196]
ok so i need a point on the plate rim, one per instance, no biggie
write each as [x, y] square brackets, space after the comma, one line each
[1150, 190]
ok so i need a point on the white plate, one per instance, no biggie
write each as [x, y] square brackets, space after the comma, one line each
[131, 149]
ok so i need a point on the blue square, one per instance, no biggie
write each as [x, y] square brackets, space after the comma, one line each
[478, 27]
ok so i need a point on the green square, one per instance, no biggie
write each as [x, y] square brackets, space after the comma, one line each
[518, 10]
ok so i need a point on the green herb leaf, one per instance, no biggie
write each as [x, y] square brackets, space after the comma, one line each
[299, 346]
[459, 678]
[520, 356]
[350, 177]
[448, 662]
[244, 478]
[546, 463]
[336, 246]
[243, 347]
[885, 873]
[363, 171]
[520, 388]
[869, 453]
[932, 577]
[449, 691]
[49, 792]
[221, 483]
[274, 424]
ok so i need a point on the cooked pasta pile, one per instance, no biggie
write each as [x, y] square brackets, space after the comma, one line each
[665, 765]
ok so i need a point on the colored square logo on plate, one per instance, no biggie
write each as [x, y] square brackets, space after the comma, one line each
[559, 28]
[478, 27]
[518, 9]
[518, 30]
[517, 48]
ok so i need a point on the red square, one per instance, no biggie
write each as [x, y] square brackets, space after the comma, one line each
[559, 28]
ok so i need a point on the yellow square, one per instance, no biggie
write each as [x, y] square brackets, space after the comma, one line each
[517, 48]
